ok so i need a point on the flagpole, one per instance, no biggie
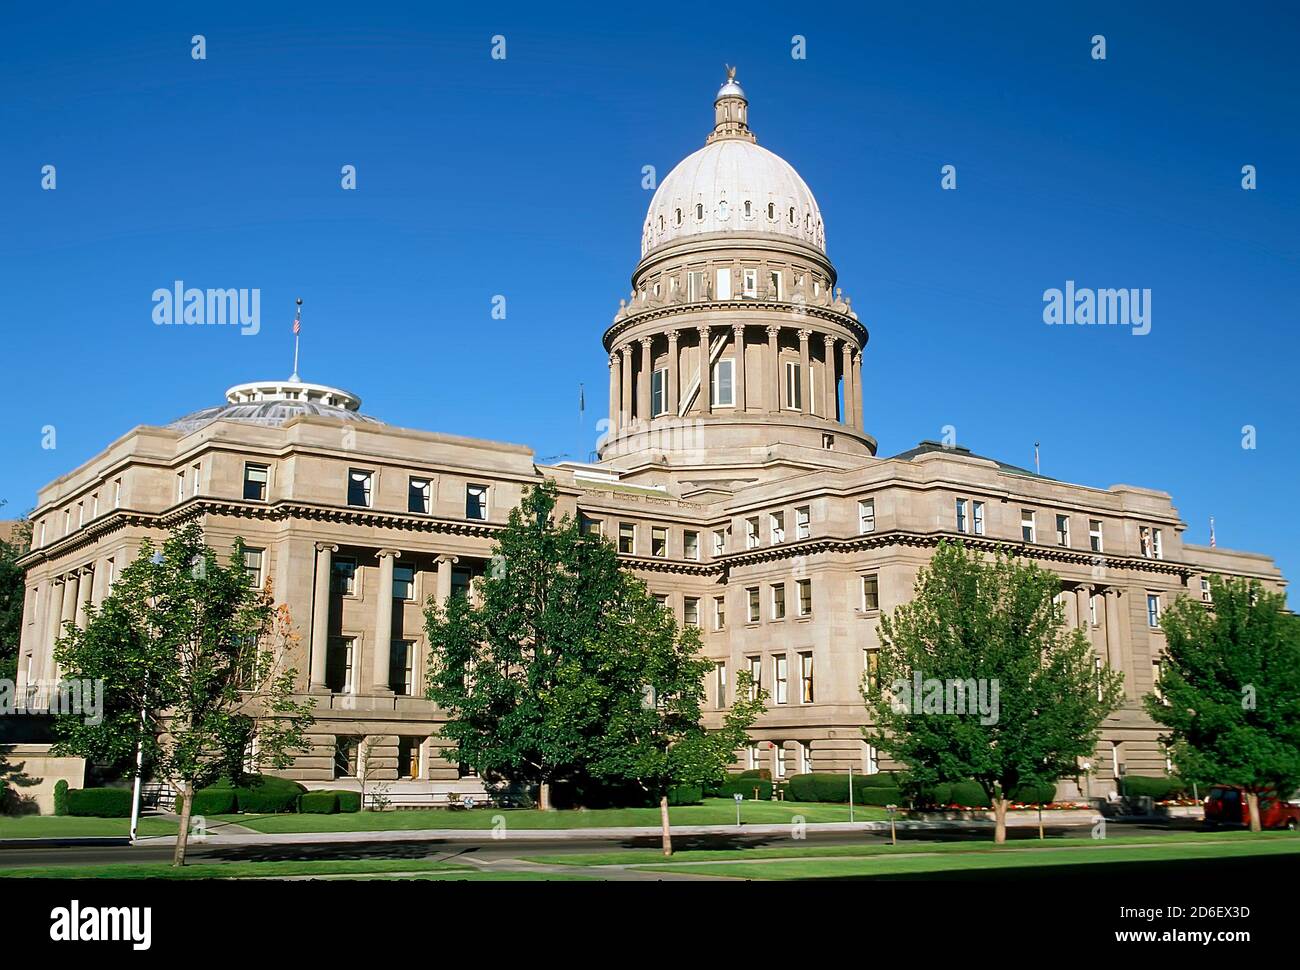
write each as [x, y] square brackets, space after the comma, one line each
[297, 325]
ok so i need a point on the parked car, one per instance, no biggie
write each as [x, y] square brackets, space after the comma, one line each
[1226, 805]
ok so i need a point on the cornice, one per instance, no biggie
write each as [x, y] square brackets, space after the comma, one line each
[800, 310]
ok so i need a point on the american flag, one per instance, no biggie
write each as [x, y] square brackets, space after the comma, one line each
[297, 326]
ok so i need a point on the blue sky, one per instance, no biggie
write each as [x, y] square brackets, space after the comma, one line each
[522, 177]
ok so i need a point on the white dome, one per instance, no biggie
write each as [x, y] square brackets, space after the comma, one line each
[708, 191]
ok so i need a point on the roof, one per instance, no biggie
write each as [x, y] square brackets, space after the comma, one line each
[929, 447]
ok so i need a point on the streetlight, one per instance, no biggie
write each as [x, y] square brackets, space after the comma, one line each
[739, 798]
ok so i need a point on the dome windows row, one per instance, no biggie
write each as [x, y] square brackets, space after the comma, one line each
[779, 218]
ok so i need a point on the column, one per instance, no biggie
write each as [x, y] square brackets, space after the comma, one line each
[384, 621]
[706, 377]
[857, 391]
[53, 630]
[773, 370]
[846, 368]
[99, 589]
[615, 391]
[320, 614]
[625, 396]
[805, 373]
[443, 592]
[643, 406]
[1081, 594]
[67, 614]
[674, 364]
[829, 408]
[738, 342]
[1114, 656]
[85, 583]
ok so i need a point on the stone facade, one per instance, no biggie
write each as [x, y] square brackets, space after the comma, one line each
[746, 493]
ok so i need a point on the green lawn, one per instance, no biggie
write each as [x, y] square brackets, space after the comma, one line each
[66, 826]
[991, 858]
[365, 868]
[625, 857]
[714, 811]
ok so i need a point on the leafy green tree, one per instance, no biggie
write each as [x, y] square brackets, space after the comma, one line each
[1008, 693]
[12, 777]
[13, 594]
[517, 672]
[193, 661]
[1229, 690]
[651, 681]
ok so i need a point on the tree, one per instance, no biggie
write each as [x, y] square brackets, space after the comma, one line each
[1229, 690]
[979, 678]
[517, 671]
[13, 774]
[652, 682]
[193, 663]
[13, 594]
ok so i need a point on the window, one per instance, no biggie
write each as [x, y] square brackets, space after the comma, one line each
[749, 209]
[404, 582]
[1093, 612]
[695, 285]
[867, 515]
[1144, 541]
[805, 597]
[417, 496]
[776, 526]
[1096, 676]
[871, 669]
[828, 442]
[691, 544]
[627, 538]
[699, 210]
[42, 542]
[658, 542]
[724, 284]
[870, 760]
[255, 479]
[719, 612]
[1094, 535]
[462, 580]
[346, 755]
[803, 522]
[117, 487]
[751, 532]
[774, 283]
[793, 386]
[338, 669]
[961, 515]
[1028, 531]
[94, 502]
[589, 526]
[253, 567]
[180, 486]
[401, 667]
[806, 677]
[870, 593]
[1153, 610]
[755, 757]
[751, 595]
[476, 502]
[719, 541]
[778, 601]
[749, 282]
[1157, 550]
[659, 391]
[977, 518]
[408, 757]
[662, 600]
[780, 673]
[755, 676]
[805, 757]
[343, 576]
[360, 483]
[771, 210]
[1206, 595]
[720, 684]
[691, 611]
[723, 391]
[1062, 530]
[1155, 681]
[194, 484]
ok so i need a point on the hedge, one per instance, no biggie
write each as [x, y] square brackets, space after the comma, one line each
[764, 773]
[211, 801]
[827, 787]
[1136, 786]
[732, 786]
[61, 797]
[1040, 794]
[319, 802]
[349, 801]
[100, 802]
[967, 794]
[878, 796]
[686, 795]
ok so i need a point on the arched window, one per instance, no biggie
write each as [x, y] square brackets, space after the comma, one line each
[771, 210]
[679, 217]
[748, 212]
[661, 223]
[722, 209]
[792, 215]
[699, 210]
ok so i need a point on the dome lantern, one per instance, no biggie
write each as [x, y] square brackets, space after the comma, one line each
[730, 112]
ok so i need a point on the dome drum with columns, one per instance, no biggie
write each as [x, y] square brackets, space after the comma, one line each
[734, 273]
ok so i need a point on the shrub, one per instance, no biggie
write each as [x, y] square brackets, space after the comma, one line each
[1035, 794]
[881, 779]
[349, 801]
[100, 802]
[764, 773]
[834, 787]
[211, 801]
[1160, 788]
[686, 795]
[733, 786]
[319, 802]
[61, 797]
[879, 796]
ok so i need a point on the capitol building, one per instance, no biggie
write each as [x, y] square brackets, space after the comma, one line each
[737, 477]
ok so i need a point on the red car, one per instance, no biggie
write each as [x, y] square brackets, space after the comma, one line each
[1226, 805]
